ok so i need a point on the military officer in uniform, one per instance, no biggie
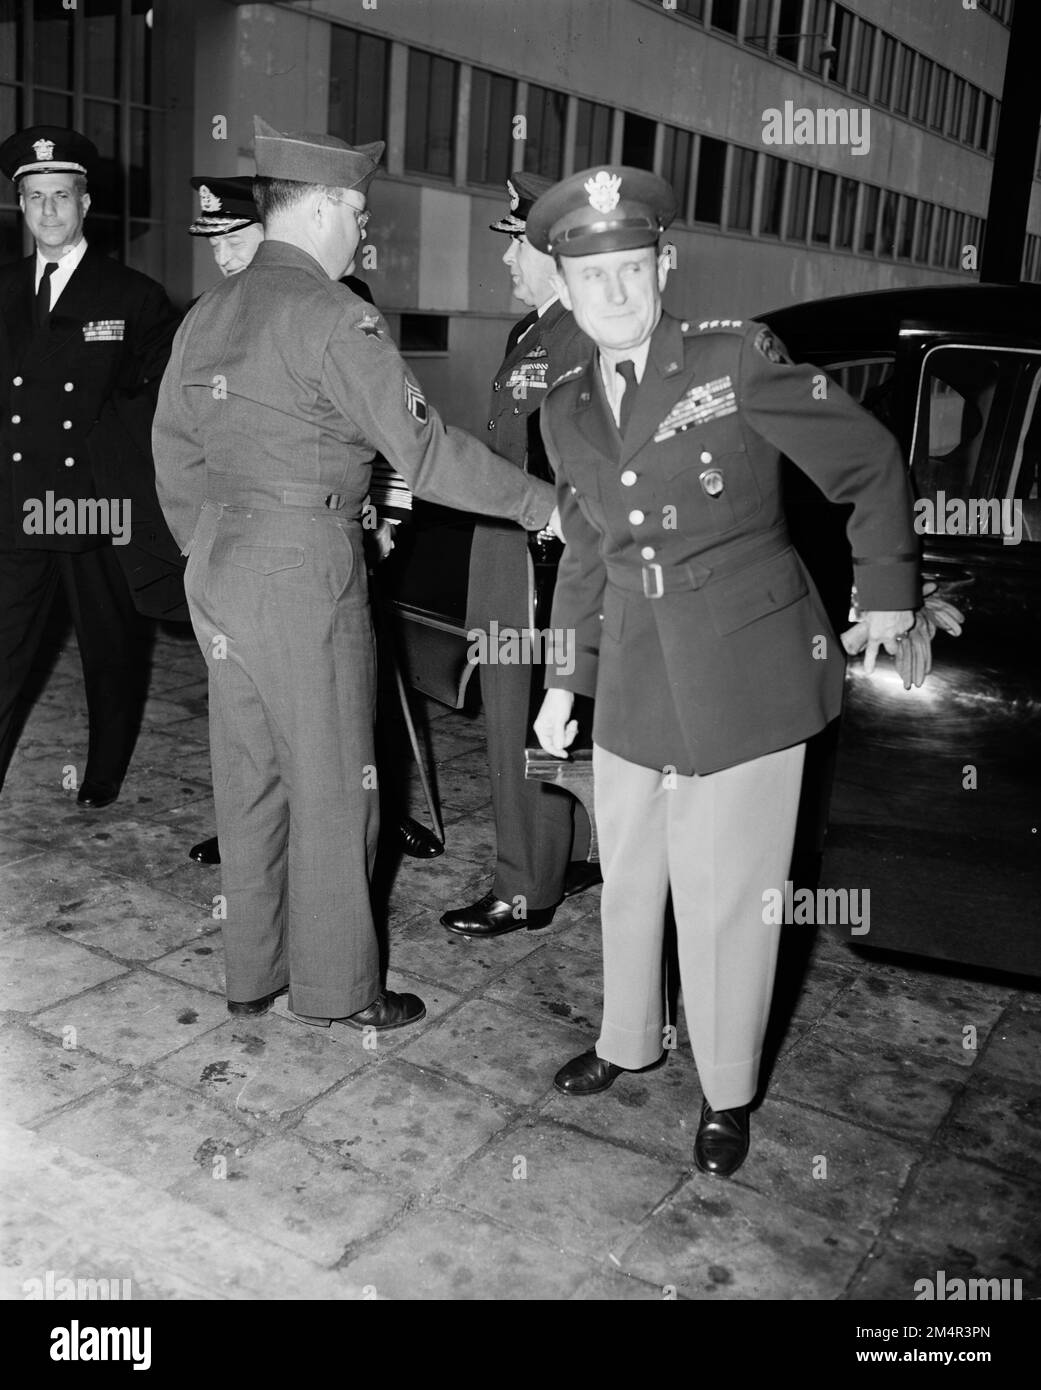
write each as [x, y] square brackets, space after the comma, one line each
[281, 386]
[83, 344]
[535, 825]
[698, 628]
[228, 218]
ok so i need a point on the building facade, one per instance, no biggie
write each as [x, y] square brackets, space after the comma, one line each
[816, 148]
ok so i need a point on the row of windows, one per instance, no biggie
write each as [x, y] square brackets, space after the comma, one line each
[830, 41]
[1032, 258]
[743, 190]
[723, 14]
[717, 184]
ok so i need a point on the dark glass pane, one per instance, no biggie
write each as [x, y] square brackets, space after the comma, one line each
[865, 52]
[10, 109]
[887, 231]
[938, 109]
[592, 135]
[544, 147]
[11, 41]
[939, 246]
[773, 195]
[708, 198]
[925, 232]
[694, 8]
[921, 96]
[11, 243]
[816, 25]
[52, 45]
[370, 106]
[972, 110]
[100, 29]
[986, 117]
[343, 67]
[884, 76]
[906, 243]
[869, 218]
[676, 165]
[846, 215]
[430, 119]
[638, 141]
[49, 108]
[145, 165]
[146, 248]
[101, 124]
[742, 189]
[823, 208]
[799, 202]
[141, 50]
[842, 42]
[491, 128]
[757, 23]
[724, 15]
[904, 77]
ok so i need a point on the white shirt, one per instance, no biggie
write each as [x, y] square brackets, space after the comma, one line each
[70, 259]
[614, 383]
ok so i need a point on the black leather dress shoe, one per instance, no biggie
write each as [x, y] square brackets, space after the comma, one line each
[721, 1145]
[206, 851]
[97, 794]
[581, 874]
[588, 1073]
[490, 916]
[417, 840]
[388, 1010]
[252, 1007]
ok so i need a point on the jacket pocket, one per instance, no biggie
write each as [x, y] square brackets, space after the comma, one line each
[267, 559]
[756, 591]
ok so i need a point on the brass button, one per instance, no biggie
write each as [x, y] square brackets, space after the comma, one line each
[69, 463]
[66, 424]
[637, 517]
[706, 457]
[68, 386]
[17, 458]
[628, 478]
[648, 552]
[16, 419]
[16, 381]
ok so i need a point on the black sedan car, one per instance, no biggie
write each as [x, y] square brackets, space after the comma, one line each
[929, 797]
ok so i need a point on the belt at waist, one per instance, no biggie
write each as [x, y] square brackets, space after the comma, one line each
[239, 491]
[654, 580]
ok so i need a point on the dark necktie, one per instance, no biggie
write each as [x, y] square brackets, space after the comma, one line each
[43, 295]
[627, 371]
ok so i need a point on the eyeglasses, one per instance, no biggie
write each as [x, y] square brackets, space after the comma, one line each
[362, 218]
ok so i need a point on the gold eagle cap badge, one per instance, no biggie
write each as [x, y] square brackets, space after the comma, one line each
[603, 191]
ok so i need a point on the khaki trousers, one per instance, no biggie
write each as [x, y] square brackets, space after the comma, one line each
[719, 842]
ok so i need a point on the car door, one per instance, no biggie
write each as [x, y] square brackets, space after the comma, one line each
[934, 804]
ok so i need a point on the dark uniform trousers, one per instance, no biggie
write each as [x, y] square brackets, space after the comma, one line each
[281, 385]
[76, 404]
[538, 829]
[711, 659]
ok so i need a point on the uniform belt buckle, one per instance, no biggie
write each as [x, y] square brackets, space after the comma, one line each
[334, 501]
[652, 575]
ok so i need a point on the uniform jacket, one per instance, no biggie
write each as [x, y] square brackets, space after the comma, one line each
[698, 628]
[281, 375]
[537, 351]
[83, 392]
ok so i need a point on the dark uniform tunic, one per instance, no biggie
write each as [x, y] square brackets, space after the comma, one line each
[710, 656]
[76, 404]
[534, 824]
[281, 386]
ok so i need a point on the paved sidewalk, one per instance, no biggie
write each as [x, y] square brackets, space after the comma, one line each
[150, 1137]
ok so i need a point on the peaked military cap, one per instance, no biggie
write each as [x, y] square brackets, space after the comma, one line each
[47, 149]
[614, 208]
[304, 157]
[523, 189]
[225, 205]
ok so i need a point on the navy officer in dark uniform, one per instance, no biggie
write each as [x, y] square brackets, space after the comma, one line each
[83, 344]
[282, 384]
[535, 825]
[698, 629]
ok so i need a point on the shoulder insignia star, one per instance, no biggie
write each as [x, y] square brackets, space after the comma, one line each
[369, 324]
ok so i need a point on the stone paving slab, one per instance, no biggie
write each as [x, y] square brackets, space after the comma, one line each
[998, 1121]
[136, 1018]
[37, 967]
[133, 922]
[395, 1118]
[556, 982]
[563, 1186]
[905, 1093]
[124, 1228]
[52, 885]
[718, 1240]
[38, 1075]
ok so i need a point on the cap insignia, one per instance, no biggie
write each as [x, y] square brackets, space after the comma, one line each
[44, 150]
[514, 196]
[603, 191]
[208, 200]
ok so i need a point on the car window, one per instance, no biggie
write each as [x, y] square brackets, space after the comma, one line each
[975, 451]
[870, 382]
